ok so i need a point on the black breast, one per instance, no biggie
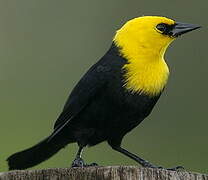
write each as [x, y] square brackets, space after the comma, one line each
[115, 111]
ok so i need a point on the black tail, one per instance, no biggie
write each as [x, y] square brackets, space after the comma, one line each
[36, 154]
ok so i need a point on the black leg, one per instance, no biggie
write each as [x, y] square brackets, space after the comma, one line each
[141, 161]
[79, 162]
[79, 153]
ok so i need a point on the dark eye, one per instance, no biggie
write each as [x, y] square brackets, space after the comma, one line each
[162, 27]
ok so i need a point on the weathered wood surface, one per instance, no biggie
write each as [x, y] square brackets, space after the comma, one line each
[102, 173]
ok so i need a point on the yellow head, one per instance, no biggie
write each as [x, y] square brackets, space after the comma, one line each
[141, 34]
[143, 42]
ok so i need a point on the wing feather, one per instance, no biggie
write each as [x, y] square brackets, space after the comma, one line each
[87, 88]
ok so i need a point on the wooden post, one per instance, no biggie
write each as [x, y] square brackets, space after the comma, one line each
[101, 173]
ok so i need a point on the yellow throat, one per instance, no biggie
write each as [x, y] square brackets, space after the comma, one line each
[143, 46]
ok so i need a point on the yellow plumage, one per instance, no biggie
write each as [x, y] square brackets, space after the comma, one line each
[144, 48]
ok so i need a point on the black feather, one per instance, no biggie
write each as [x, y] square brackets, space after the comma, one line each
[36, 154]
[98, 109]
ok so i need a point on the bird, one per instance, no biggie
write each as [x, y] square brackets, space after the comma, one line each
[115, 95]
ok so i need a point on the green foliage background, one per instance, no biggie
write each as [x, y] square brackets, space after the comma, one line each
[46, 46]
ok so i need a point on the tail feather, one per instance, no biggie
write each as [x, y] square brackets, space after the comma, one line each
[36, 154]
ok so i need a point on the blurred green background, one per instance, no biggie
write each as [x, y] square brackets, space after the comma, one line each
[45, 48]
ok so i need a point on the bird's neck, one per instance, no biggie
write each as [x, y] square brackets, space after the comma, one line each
[146, 71]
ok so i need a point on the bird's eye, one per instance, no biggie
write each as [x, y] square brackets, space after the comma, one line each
[162, 27]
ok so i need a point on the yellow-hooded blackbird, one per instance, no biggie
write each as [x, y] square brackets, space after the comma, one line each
[115, 95]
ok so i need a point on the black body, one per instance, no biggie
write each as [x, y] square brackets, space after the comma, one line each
[98, 109]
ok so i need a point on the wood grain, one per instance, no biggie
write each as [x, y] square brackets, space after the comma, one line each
[101, 173]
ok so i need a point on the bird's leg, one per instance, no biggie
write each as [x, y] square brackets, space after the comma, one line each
[78, 161]
[141, 161]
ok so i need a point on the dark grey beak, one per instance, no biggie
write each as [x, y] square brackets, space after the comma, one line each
[181, 28]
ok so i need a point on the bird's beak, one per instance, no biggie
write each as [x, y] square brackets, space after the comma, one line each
[181, 28]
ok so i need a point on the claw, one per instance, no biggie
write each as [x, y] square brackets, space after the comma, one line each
[93, 164]
[149, 165]
[79, 162]
[176, 168]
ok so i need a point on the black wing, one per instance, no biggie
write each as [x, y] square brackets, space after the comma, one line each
[87, 88]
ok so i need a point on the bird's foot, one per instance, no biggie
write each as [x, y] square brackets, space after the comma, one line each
[176, 168]
[91, 165]
[79, 162]
[149, 165]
